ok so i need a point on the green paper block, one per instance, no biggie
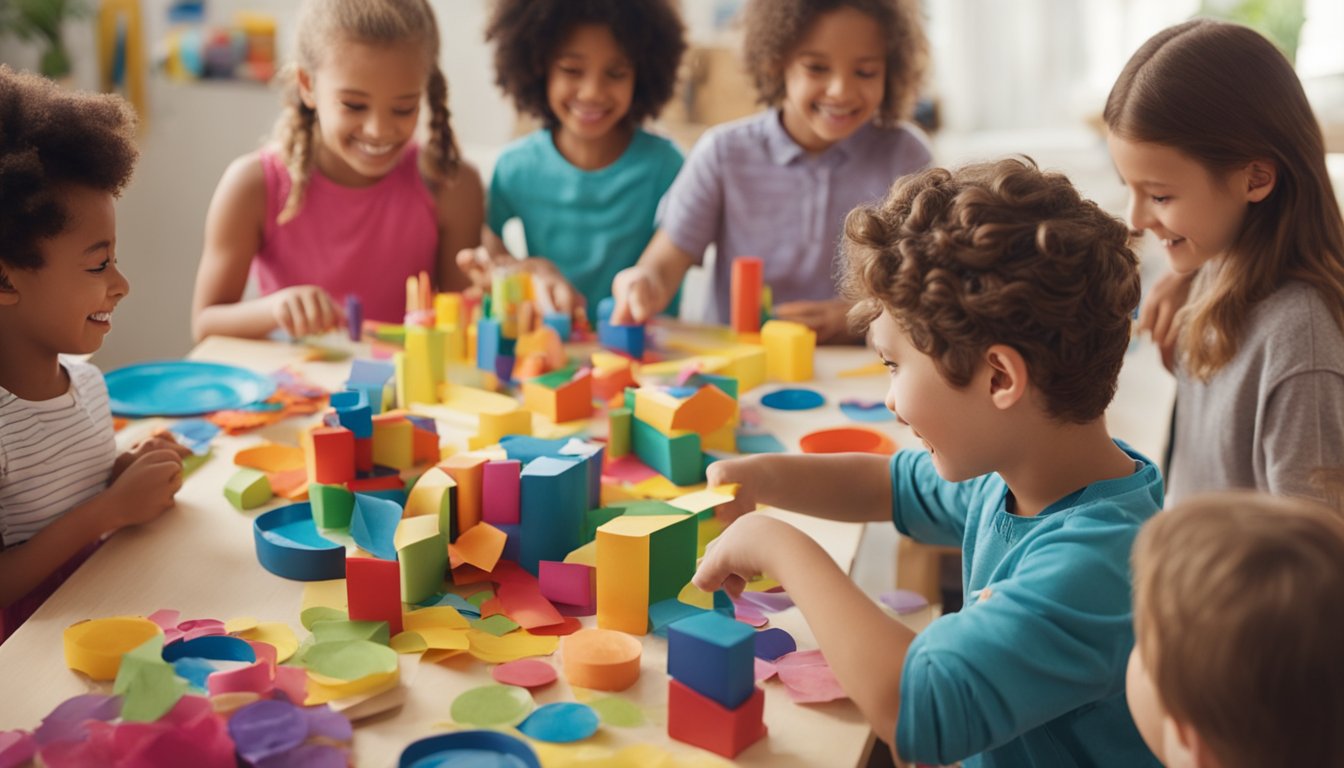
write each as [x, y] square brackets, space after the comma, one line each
[596, 518]
[629, 395]
[676, 458]
[557, 378]
[423, 564]
[147, 684]
[497, 625]
[340, 631]
[332, 505]
[618, 432]
[647, 507]
[248, 489]
[726, 384]
[672, 558]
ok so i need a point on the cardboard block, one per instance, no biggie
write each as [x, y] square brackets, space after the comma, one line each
[500, 492]
[248, 489]
[332, 505]
[569, 583]
[744, 294]
[714, 656]
[330, 454]
[432, 496]
[702, 722]
[468, 471]
[393, 441]
[554, 496]
[676, 457]
[789, 349]
[618, 432]
[373, 591]
[422, 554]
[641, 560]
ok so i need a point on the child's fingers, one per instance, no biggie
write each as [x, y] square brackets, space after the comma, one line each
[288, 321]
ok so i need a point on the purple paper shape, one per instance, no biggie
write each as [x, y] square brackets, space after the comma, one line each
[325, 722]
[770, 602]
[267, 728]
[903, 601]
[67, 721]
[773, 643]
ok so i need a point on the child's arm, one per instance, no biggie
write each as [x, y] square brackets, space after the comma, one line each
[1157, 314]
[829, 318]
[851, 488]
[140, 493]
[646, 289]
[233, 234]
[461, 213]
[865, 648]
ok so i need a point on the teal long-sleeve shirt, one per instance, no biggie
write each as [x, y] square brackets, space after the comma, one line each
[1031, 672]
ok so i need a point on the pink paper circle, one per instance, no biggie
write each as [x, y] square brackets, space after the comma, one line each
[525, 673]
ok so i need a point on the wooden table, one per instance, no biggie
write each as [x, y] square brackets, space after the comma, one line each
[199, 558]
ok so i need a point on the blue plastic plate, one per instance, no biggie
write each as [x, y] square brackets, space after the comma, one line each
[184, 388]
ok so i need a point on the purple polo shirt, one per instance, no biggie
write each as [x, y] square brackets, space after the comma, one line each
[751, 190]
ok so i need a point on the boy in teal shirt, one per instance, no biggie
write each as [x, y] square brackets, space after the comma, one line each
[1000, 301]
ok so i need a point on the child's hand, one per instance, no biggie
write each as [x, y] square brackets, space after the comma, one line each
[552, 290]
[477, 264]
[1157, 314]
[828, 318]
[745, 473]
[305, 310]
[741, 553]
[146, 488]
[639, 293]
[159, 441]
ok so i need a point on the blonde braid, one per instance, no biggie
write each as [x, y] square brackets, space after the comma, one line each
[295, 131]
[441, 155]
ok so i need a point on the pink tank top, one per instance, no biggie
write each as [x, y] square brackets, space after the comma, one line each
[363, 241]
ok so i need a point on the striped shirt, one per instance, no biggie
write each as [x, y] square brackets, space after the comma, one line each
[55, 454]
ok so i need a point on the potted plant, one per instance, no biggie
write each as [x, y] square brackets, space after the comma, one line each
[41, 20]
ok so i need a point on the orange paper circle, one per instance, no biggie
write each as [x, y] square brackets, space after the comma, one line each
[602, 659]
[95, 647]
[847, 440]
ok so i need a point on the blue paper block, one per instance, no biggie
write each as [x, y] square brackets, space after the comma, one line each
[604, 309]
[358, 419]
[626, 339]
[513, 544]
[525, 448]
[664, 612]
[395, 495]
[561, 323]
[553, 499]
[714, 656]
[373, 525]
[371, 377]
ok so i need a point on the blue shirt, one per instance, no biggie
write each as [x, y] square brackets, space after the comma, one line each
[591, 224]
[751, 190]
[1031, 672]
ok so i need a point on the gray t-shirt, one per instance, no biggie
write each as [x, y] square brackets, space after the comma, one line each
[750, 189]
[1274, 413]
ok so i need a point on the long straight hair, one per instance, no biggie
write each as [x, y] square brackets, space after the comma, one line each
[1225, 96]
[379, 22]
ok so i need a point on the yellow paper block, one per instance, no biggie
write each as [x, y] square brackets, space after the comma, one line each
[700, 501]
[95, 647]
[270, 457]
[324, 594]
[444, 639]
[604, 362]
[747, 365]
[473, 400]
[393, 442]
[706, 411]
[546, 429]
[413, 529]
[722, 439]
[656, 408]
[240, 624]
[493, 426]
[519, 644]
[421, 372]
[708, 530]
[693, 595]
[275, 634]
[439, 616]
[660, 488]
[624, 558]
[789, 348]
[408, 642]
[322, 690]
[612, 493]
[584, 555]
[431, 497]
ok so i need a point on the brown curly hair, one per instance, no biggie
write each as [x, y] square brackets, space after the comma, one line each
[380, 22]
[51, 137]
[526, 34]
[774, 28]
[1000, 253]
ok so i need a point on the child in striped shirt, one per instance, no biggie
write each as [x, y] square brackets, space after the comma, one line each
[64, 156]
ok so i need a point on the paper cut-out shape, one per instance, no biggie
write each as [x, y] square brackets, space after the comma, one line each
[569, 583]
[903, 601]
[793, 399]
[808, 677]
[481, 546]
[422, 553]
[332, 505]
[492, 706]
[870, 411]
[758, 443]
[289, 545]
[515, 645]
[270, 457]
[248, 489]
[847, 440]
[330, 454]
[773, 643]
[554, 497]
[373, 589]
[487, 747]
[373, 525]
[95, 647]
[640, 561]
[561, 722]
[601, 659]
[619, 712]
[525, 673]
[789, 348]
[147, 684]
[350, 660]
[705, 723]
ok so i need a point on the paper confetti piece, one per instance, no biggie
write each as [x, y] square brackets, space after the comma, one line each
[492, 706]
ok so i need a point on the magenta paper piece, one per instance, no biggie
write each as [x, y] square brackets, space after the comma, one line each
[808, 677]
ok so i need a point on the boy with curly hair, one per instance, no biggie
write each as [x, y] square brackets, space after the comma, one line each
[587, 184]
[1236, 661]
[64, 156]
[839, 77]
[1000, 301]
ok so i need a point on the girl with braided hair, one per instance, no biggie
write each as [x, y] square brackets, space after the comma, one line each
[344, 201]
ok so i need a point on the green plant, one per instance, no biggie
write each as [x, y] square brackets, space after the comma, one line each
[41, 20]
[1279, 20]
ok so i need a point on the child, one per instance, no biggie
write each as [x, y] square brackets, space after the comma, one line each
[587, 184]
[1000, 302]
[346, 203]
[839, 77]
[64, 156]
[1224, 161]
[1237, 658]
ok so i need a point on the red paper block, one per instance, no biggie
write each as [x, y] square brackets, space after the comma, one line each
[569, 583]
[703, 722]
[373, 590]
[333, 455]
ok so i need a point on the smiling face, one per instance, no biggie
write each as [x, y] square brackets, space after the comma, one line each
[949, 420]
[65, 306]
[368, 100]
[590, 86]
[1195, 214]
[834, 79]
